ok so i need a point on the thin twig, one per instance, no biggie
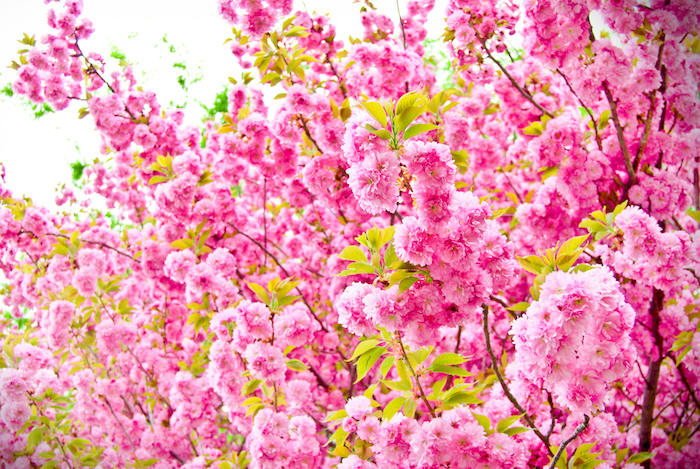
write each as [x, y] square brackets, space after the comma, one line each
[571, 438]
[551, 413]
[120, 424]
[94, 70]
[515, 84]
[506, 391]
[301, 119]
[415, 376]
[588, 111]
[95, 243]
[650, 114]
[322, 382]
[274, 259]
[176, 456]
[620, 136]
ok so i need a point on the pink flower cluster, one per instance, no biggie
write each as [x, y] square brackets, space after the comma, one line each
[663, 195]
[650, 255]
[278, 441]
[455, 439]
[575, 340]
[56, 73]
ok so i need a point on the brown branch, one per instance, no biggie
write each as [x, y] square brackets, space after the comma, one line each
[571, 438]
[620, 137]
[343, 89]
[322, 382]
[415, 376]
[506, 390]
[120, 424]
[551, 413]
[176, 456]
[274, 259]
[686, 383]
[515, 84]
[588, 111]
[301, 119]
[652, 103]
[652, 378]
[96, 243]
[93, 69]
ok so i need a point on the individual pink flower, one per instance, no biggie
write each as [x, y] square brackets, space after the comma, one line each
[265, 361]
[358, 407]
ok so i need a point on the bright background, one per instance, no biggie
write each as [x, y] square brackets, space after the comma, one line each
[37, 153]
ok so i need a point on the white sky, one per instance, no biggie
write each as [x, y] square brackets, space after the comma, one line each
[36, 153]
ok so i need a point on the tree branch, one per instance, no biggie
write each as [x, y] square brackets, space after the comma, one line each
[415, 376]
[650, 114]
[506, 391]
[652, 378]
[620, 137]
[571, 438]
[588, 111]
[515, 84]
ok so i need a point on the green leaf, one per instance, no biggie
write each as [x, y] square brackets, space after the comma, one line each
[573, 244]
[184, 243]
[438, 386]
[341, 414]
[353, 253]
[260, 292]
[398, 275]
[390, 255]
[450, 370]
[516, 430]
[367, 361]
[35, 438]
[484, 422]
[694, 214]
[409, 408]
[417, 130]
[339, 436]
[449, 359]
[381, 133]
[157, 179]
[566, 261]
[357, 268]
[682, 355]
[362, 347]
[621, 455]
[522, 306]
[535, 128]
[406, 283]
[393, 407]
[422, 354]
[640, 457]
[403, 373]
[549, 172]
[369, 392]
[386, 365]
[532, 264]
[505, 423]
[397, 385]
[269, 77]
[408, 100]
[377, 111]
[407, 117]
[250, 387]
[462, 398]
[296, 365]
